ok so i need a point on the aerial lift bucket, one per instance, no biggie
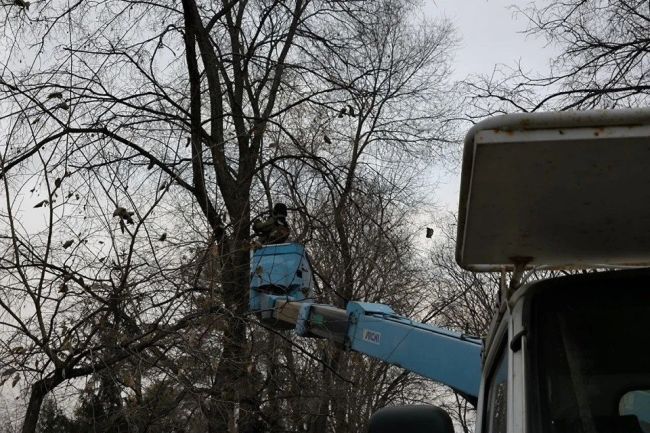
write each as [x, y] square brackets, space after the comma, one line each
[280, 269]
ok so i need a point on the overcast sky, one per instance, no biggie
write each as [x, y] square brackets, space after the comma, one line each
[490, 33]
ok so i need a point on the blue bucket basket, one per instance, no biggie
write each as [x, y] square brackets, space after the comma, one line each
[283, 270]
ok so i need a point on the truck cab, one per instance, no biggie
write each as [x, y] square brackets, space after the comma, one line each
[570, 354]
[565, 194]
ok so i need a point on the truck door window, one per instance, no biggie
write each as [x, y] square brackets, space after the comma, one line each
[592, 358]
[497, 401]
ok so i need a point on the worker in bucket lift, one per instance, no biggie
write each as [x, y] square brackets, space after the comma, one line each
[275, 229]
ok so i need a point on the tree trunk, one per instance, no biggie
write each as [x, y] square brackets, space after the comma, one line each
[233, 385]
[38, 392]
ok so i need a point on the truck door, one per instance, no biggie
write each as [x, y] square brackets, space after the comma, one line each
[493, 412]
[496, 403]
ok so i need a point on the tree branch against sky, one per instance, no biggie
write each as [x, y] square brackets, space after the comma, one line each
[602, 61]
[142, 139]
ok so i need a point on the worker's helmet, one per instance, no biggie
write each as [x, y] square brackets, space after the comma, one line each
[280, 209]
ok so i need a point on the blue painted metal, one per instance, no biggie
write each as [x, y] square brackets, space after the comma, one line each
[280, 269]
[438, 354]
[302, 325]
[445, 356]
[369, 308]
[283, 272]
[264, 304]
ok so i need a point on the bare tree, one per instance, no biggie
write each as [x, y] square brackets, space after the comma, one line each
[353, 188]
[461, 300]
[603, 58]
[81, 276]
[147, 133]
[130, 90]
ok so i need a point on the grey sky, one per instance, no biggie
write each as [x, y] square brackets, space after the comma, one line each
[490, 33]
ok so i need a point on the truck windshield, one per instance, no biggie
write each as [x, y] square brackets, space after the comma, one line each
[591, 353]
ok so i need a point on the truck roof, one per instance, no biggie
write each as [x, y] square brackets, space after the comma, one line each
[556, 190]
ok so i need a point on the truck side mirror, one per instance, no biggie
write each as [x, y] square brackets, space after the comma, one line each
[411, 419]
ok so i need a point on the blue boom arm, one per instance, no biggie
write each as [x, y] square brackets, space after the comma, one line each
[282, 293]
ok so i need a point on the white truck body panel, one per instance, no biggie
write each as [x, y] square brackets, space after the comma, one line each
[556, 190]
